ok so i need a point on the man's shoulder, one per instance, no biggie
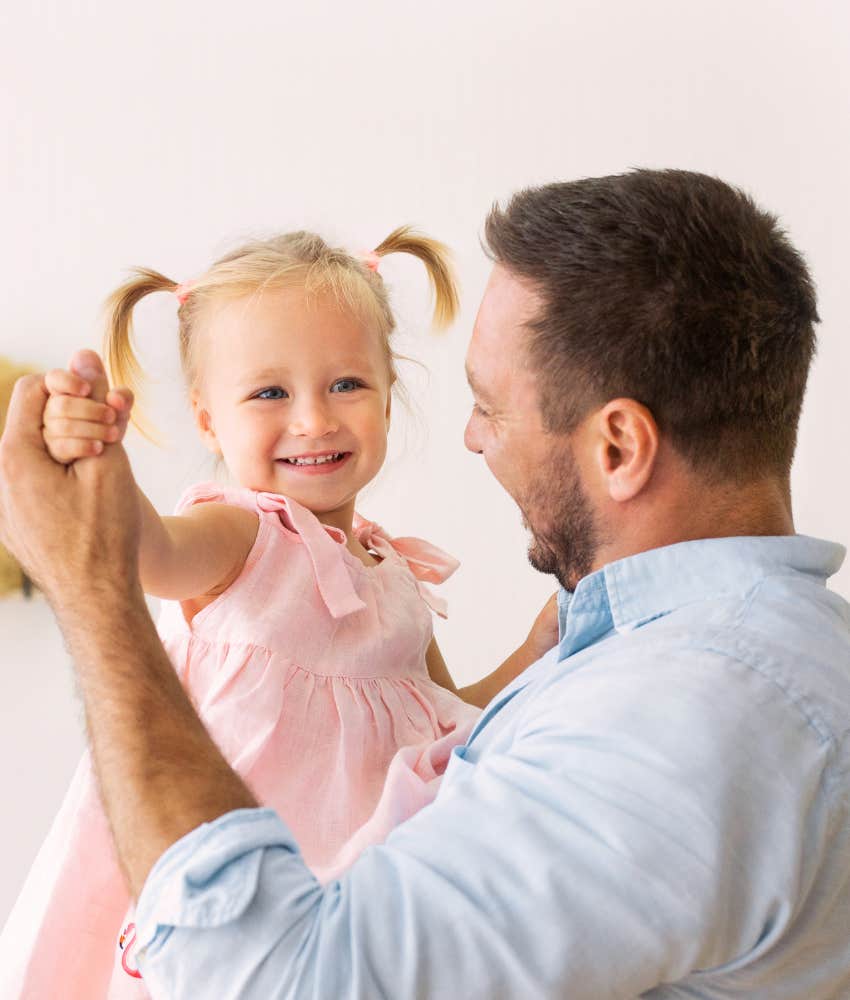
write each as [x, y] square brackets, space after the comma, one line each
[710, 670]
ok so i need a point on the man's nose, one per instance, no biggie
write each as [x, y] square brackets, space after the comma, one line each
[312, 417]
[470, 438]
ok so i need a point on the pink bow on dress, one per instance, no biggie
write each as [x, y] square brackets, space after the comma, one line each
[322, 544]
[426, 562]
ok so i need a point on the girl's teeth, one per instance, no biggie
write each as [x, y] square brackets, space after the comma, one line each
[320, 460]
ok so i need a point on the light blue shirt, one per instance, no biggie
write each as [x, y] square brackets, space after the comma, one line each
[658, 807]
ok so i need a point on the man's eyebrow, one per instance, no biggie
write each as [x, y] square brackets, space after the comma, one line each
[474, 384]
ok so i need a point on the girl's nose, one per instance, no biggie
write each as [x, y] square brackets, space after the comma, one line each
[312, 418]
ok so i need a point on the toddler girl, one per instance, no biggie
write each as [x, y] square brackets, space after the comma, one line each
[301, 630]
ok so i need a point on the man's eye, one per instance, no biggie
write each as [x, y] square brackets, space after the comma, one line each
[273, 392]
[477, 408]
[346, 385]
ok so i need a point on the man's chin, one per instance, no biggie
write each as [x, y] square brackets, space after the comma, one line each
[541, 557]
[544, 560]
[567, 571]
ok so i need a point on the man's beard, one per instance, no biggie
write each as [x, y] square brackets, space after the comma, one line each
[565, 536]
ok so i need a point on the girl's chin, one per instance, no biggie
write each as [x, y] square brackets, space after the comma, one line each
[318, 498]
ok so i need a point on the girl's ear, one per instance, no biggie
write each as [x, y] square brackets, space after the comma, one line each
[389, 406]
[203, 421]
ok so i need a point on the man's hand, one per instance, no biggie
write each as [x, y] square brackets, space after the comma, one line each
[74, 529]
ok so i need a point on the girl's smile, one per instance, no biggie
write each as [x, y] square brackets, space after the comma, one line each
[317, 463]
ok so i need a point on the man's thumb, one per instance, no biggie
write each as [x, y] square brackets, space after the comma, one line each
[24, 418]
[87, 365]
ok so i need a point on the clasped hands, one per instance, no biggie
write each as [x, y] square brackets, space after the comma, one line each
[73, 527]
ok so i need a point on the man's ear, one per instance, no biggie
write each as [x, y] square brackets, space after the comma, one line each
[203, 421]
[626, 447]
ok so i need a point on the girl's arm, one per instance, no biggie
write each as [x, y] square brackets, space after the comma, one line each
[482, 692]
[542, 637]
[437, 669]
[197, 554]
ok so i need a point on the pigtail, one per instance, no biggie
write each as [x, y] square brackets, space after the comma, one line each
[437, 260]
[122, 363]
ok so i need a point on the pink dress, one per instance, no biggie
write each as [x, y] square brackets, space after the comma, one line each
[309, 672]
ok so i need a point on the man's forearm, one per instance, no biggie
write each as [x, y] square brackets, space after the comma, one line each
[159, 772]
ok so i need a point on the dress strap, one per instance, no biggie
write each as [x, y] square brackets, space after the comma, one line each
[323, 545]
[212, 492]
[426, 562]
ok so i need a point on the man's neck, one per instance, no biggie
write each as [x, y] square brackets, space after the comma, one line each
[762, 507]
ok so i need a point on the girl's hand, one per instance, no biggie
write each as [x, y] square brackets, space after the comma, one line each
[542, 637]
[77, 427]
[544, 632]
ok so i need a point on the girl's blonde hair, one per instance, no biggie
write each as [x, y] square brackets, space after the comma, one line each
[291, 258]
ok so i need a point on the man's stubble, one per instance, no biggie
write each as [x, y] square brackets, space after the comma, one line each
[558, 513]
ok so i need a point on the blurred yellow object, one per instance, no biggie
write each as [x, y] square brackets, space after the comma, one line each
[12, 577]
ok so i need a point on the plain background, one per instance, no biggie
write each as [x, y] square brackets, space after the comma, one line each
[162, 134]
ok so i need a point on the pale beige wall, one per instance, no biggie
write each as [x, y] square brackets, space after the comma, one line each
[159, 133]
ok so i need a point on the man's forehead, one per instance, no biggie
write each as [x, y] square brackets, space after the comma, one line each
[513, 293]
[508, 306]
[497, 363]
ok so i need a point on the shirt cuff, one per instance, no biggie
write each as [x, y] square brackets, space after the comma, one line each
[196, 883]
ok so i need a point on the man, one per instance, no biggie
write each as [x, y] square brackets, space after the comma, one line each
[659, 807]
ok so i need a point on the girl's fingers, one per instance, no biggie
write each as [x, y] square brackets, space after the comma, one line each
[60, 381]
[57, 428]
[75, 408]
[67, 450]
[76, 426]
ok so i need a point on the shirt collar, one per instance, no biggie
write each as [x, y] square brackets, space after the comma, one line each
[630, 592]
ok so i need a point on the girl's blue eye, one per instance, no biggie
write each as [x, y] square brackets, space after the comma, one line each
[273, 392]
[346, 385]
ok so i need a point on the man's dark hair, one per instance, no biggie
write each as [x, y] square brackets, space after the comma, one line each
[674, 289]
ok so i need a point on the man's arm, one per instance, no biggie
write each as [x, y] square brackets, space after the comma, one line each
[75, 530]
[160, 774]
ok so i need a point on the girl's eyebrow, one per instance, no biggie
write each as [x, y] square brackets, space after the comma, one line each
[344, 366]
[261, 376]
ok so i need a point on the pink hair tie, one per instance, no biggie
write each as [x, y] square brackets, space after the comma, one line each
[370, 259]
[182, 291]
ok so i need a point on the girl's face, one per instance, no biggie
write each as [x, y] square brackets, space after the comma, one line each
[295, 396]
